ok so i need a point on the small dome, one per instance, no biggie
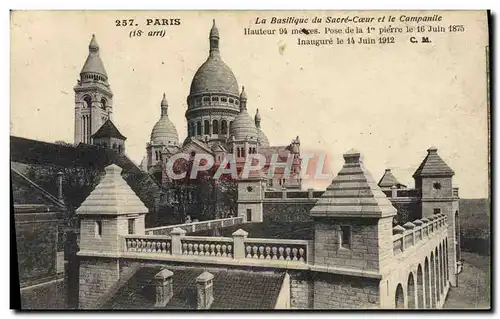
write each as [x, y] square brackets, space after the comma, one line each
[264, 142]
[164, 132]
[243, 126]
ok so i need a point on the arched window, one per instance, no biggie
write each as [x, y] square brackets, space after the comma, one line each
[198, 128]
[120, 148]
[223, 129]
[115, 146]
[104, 103]
[191, 129]
[206, 127]
[87, 101]
[215, 127]
[230, 125]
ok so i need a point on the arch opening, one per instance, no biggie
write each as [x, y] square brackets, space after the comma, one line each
[420, 288]
[411, 291]
[399, 299]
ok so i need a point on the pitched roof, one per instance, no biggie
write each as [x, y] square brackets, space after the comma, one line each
[433, 165]
[108, 129]
[233, 289]
[353, 193]
[112, 196]
[388, 179]
[93, 64]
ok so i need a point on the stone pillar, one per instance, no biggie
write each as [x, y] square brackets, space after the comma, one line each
[60, 186]
[164, 287]
[394, 192]
[400, 230]
[176, 234]
[205, 290]
[410, 226]
[425, 225]
[239, 237]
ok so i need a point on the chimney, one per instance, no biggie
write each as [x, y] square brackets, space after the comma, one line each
[164, 287]
[204, 283]
[60, 186]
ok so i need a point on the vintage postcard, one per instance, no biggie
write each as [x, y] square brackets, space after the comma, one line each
[210, 160]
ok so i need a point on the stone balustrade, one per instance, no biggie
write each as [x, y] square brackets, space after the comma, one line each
[309, 194]
[276, 249]
[411, 233]
[148, 244]
[196, 226]
[207, 246]
[223, 248]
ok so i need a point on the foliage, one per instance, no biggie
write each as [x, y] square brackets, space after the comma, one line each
[475, 227]
[201, 198]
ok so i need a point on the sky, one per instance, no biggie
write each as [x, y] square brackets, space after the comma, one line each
[390, 102]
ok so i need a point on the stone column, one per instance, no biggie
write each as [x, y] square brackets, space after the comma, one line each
[239, 237]
[410, 226]
[394, 192]
[205, 291]
[164, 287]
[176, 234]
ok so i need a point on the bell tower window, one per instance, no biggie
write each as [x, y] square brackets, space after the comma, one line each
[104, 103]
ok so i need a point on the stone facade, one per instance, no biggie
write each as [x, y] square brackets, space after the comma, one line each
[337, 292]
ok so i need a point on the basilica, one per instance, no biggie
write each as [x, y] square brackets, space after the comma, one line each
[218, 119]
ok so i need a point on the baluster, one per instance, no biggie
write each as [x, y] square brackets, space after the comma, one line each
[184, 248]
[255, 248]
[268, 252]
[288, 253]
[249, 250]
[190, 248]
[158, 247]
[301, 254]
[224, 252]
[294, 254]
[212, 250]
[143, 245]
[195, 249]
[281, 249]
[148, 246]
[229, 247]
[207, 251]
[163, 246]
[153, 247]
[168, 247]
[261, 252]
[129, 245]
[217, 248]
[275, 253]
